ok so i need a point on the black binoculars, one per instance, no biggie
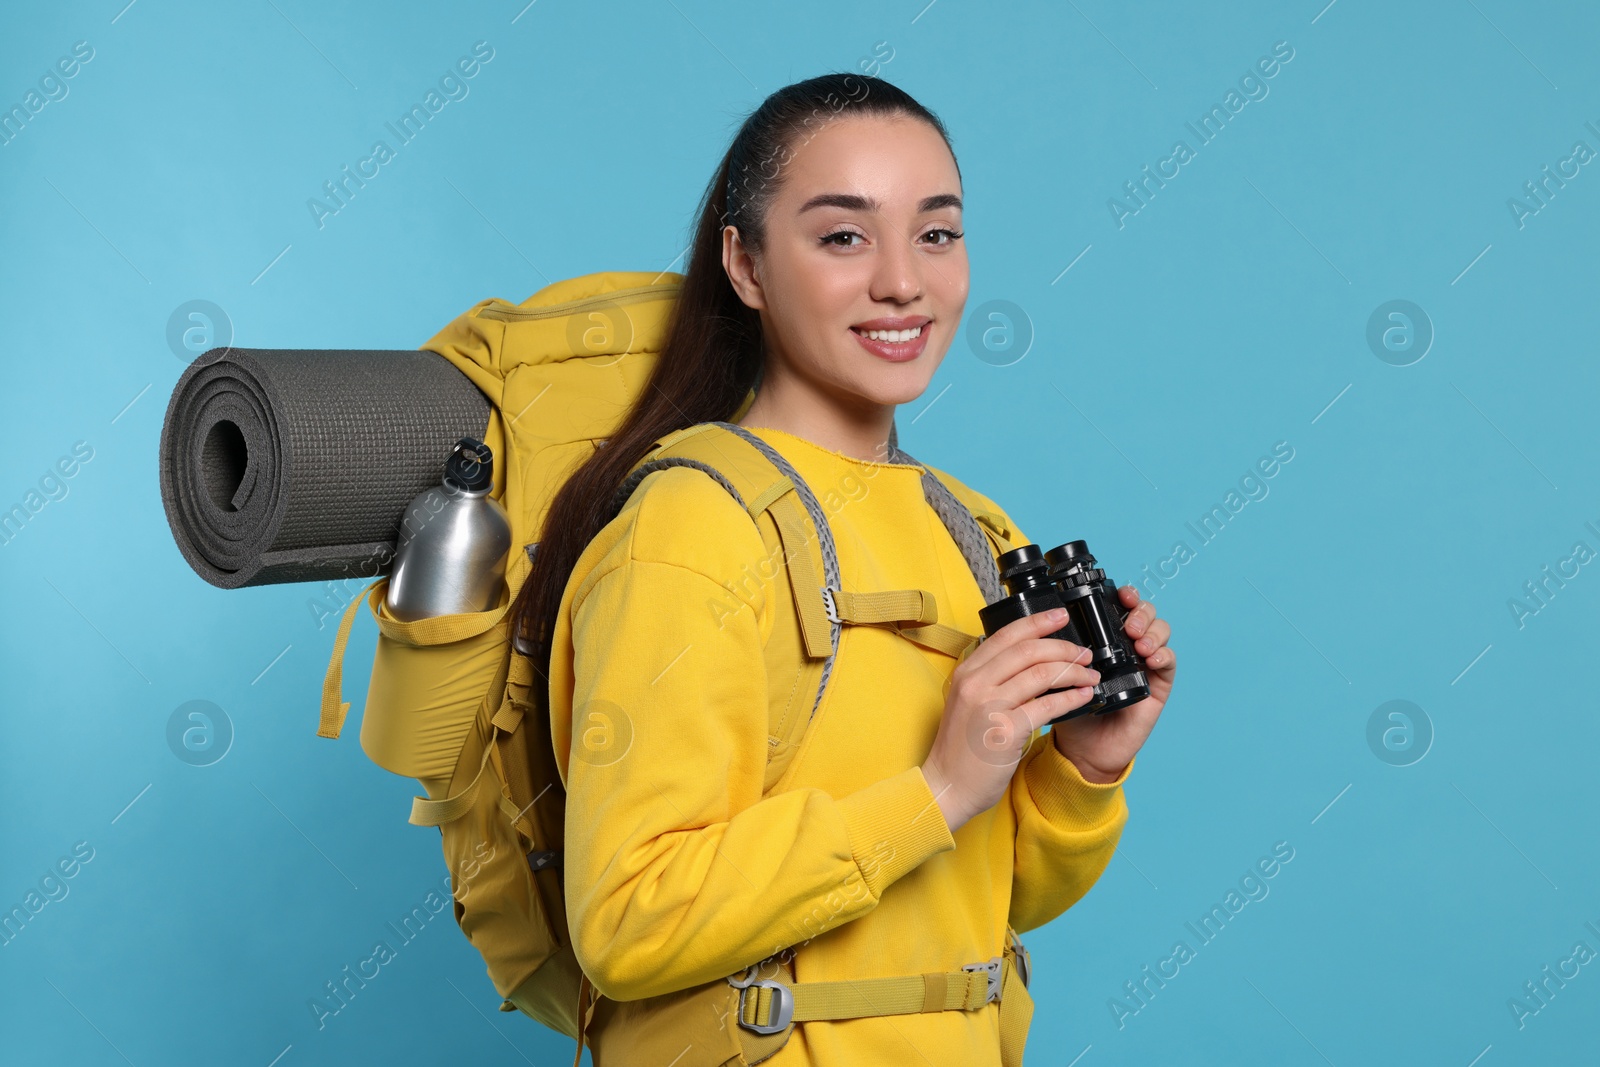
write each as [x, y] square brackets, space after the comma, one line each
[1066, 576]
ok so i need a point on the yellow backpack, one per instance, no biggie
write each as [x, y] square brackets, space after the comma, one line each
[453, 704]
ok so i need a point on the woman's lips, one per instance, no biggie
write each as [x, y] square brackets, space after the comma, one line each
[895, 351]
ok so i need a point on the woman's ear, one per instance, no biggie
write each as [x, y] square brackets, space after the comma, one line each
[741, 268]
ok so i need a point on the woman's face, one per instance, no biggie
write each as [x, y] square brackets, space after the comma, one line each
[863, 274]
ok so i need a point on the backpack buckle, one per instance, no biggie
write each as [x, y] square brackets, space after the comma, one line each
[745, 977]
[992, 967]
[829, 606]
[782, 1007]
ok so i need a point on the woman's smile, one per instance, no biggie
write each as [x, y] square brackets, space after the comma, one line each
[894, 339]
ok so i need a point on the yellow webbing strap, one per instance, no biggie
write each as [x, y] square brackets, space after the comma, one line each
[940, 638]
[814, 624]
[425, 812]
[768, 495]
[334, 706]
[912, 613]
[863, 997]
[995, 528]
[934, 991]
[916, 606]
[514, 772]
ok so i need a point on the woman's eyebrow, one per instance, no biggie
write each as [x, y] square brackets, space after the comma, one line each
[856, 202]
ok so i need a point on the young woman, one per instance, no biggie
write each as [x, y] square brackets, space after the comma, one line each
[824, 286]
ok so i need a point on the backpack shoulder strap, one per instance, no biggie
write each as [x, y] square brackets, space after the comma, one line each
[978, 540]
[800, 649]
[794, 524]
[912, 613]
[998, 529]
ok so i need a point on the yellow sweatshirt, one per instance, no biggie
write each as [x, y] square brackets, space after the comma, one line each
[678, 871]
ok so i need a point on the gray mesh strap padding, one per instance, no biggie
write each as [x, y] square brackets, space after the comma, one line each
[964, 529]
[824, 532]
[625, 490]
[968, 535]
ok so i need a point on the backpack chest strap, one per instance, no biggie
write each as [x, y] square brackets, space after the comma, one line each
[911, 613]
[915, 606]
[821, 605]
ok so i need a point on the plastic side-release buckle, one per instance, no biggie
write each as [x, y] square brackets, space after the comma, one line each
[1022, 963]
[994, 974]
[781, 1012]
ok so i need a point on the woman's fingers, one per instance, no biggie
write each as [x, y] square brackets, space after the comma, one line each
[1141, 613]
[1149, 633]
[1047, 706]
[1020, 670]
[1011, 634]
[1024, 654]
[1044, 675]
[1155, 636]
[1031, 667]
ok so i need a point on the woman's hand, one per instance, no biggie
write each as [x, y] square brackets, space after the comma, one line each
[997, 698]
[1100, 746]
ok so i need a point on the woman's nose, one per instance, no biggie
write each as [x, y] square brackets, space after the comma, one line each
[898, 273]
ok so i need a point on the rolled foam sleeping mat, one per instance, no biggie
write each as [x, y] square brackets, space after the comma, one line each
[296, 465]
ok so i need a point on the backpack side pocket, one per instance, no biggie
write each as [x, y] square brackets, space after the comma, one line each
[448, 706]
[431, 680]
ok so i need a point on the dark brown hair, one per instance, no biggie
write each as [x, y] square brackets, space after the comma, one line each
[713, 353]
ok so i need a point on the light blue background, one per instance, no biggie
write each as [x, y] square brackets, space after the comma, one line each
[1222, 318]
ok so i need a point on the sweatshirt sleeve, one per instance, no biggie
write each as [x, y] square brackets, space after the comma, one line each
[1067, 827]
[1067, 831]
[678, 871]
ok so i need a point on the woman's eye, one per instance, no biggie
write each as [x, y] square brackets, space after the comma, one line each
[948, 236]
[842, 238]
